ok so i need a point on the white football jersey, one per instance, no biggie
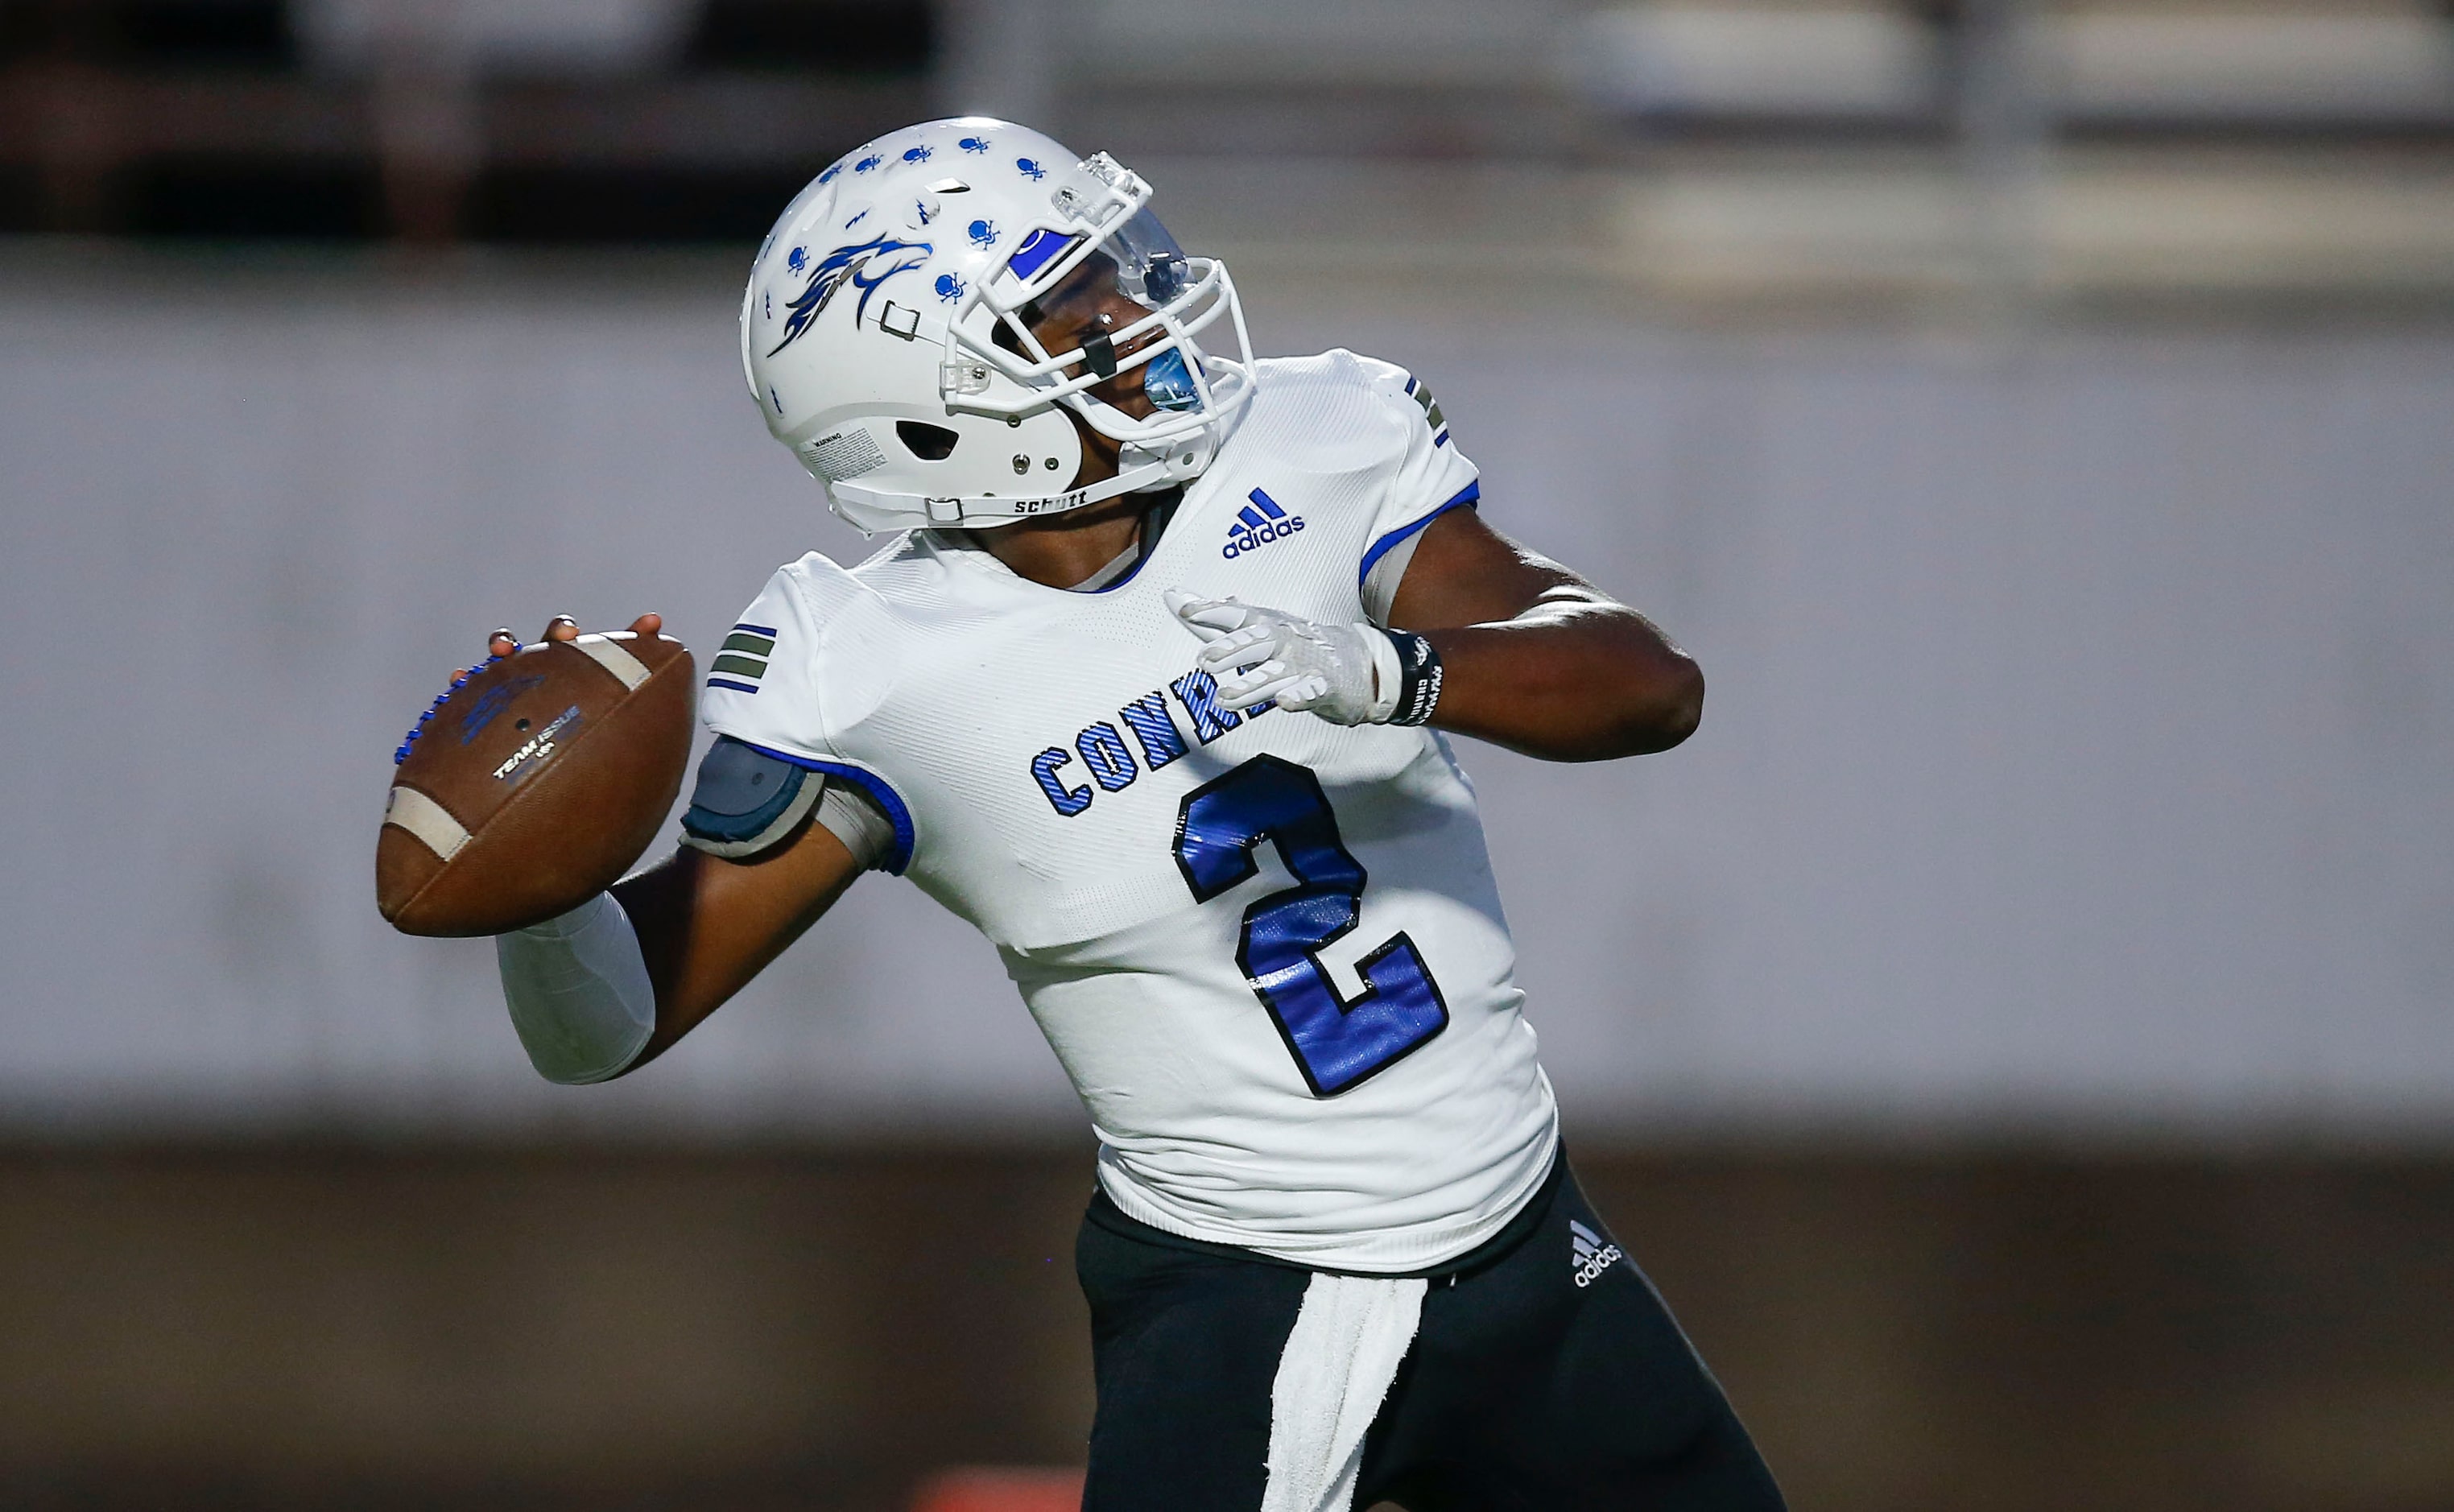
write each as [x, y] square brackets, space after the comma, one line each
[1267, 948]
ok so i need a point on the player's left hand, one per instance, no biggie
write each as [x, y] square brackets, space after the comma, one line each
[1345, 673]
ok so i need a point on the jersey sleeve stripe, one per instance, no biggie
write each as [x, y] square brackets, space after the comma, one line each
[1380, 548]
[897, 812]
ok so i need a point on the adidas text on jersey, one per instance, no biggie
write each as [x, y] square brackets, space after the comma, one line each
[1257, 524]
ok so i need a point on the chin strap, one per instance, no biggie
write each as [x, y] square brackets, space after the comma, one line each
[1140, 469]
[948, 513]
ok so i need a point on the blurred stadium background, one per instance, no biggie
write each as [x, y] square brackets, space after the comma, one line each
[2017, 1033]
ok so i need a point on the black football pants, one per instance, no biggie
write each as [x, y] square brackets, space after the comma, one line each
[1523, 1392]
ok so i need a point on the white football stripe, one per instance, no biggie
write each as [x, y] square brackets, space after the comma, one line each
[427, 819]
[614, 658]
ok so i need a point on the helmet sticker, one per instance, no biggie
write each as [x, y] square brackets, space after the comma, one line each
[982, 233]
[974, 144]
[950, 287]
[1031, 170]
[797, 259]
[867, 163]
[1037, 251]
[833, 168]
[849, 265]
[918, 154]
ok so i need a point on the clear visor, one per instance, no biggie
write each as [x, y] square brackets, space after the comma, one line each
[1150, 266]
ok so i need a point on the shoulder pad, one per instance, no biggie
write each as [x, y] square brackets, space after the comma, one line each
[826, 587]
[812, 657]
[1401, 389]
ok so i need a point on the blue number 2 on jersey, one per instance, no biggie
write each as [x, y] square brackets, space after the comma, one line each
[1336, 1044]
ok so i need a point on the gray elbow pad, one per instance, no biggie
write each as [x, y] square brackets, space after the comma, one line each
[748, 801]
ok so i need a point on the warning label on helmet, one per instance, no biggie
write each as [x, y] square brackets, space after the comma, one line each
[843, 455]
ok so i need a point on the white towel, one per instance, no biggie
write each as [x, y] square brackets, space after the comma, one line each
[1349, 1339]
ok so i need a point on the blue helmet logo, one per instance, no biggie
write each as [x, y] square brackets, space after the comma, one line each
[797, 258]
[974, 144]
[950, 288]
[867, 163]
[833, 168]
[1031, 168]
[848, 265]
[916, 154]
[983, 234]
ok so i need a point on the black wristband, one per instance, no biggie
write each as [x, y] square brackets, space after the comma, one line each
[1419, 679]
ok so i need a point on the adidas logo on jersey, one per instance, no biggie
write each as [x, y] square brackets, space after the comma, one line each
[1590, 1254]
[1257, 524]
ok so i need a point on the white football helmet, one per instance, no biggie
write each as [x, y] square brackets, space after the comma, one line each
[870, 332]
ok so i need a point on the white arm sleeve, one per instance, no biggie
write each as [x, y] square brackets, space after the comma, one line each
[578, 991]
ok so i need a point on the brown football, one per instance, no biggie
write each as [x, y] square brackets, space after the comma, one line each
[534, 784]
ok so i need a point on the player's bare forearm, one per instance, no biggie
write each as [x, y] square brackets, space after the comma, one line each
[1536, 659]
[1572, 679]
[706, 925]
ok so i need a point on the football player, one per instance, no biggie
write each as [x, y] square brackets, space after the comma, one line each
[1151, 683]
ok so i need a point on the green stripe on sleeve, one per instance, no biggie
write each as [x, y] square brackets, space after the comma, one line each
[743, 640]
[743, 666]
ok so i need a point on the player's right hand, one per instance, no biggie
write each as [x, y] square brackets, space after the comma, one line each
[561, 627]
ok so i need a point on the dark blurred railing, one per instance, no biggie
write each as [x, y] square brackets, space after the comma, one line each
[204, 118]
[289, 118]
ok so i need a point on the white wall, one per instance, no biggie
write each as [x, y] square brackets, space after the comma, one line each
[2077, 751]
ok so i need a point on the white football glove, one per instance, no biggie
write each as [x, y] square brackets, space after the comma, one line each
[1345, 673]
